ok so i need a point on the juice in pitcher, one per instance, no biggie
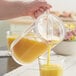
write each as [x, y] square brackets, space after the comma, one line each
[28, 48]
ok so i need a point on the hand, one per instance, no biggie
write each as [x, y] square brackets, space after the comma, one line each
[36, 8]
[9, 9]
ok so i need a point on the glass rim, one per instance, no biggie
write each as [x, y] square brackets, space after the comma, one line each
[52, 60]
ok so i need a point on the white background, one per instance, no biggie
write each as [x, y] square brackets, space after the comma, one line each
[63, 5]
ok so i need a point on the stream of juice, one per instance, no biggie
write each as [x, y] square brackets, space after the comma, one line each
[50, 69]
[51, 44]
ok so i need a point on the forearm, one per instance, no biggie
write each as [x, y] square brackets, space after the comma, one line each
[11, 9]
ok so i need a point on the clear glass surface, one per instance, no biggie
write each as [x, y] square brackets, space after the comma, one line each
[34, 41]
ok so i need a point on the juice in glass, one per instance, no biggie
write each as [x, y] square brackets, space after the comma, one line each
[10, 39]
[51, 70]
[46, 67]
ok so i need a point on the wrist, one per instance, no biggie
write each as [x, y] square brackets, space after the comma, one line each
[20, 7]
[25, 9]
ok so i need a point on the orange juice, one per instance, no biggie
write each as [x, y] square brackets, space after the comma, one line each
[10, 39]
[50, 70]
[27, 50]
[51, 44]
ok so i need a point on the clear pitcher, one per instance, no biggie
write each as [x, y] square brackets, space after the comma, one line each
[33, 42]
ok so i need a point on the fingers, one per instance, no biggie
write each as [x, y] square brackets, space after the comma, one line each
[41, 9]
[41, 3]
[37, 7]
[44, 4]
[38, 13]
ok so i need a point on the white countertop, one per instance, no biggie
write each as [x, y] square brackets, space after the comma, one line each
[31, 69]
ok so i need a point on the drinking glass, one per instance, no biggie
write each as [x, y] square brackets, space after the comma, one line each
[55, 68]
[10, 37]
